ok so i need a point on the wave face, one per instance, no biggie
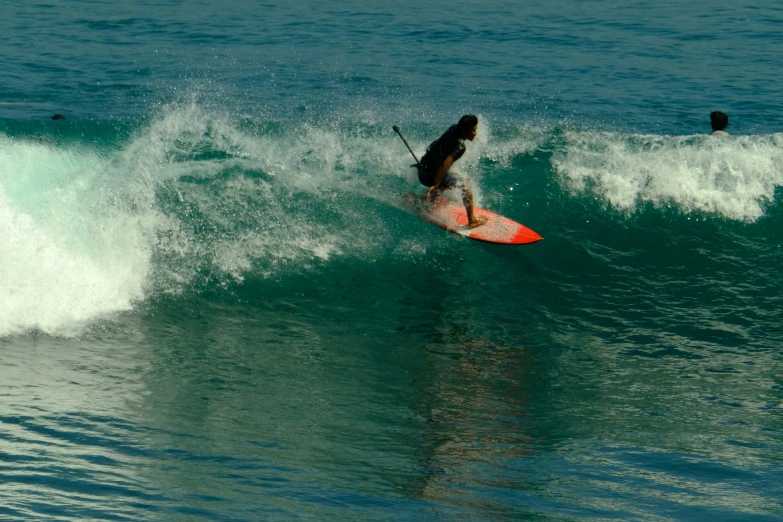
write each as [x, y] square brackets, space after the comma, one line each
[199, 199]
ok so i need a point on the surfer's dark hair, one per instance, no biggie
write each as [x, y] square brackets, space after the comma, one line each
[719, 120]
[466, 124]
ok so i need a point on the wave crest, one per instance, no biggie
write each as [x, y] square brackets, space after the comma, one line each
[734, 177]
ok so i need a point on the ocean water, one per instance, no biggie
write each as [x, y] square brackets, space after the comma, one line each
[214, 304]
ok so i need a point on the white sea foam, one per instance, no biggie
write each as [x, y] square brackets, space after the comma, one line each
[63, 260]
[734, 177]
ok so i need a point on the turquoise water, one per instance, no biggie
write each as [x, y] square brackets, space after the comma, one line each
[214, 304]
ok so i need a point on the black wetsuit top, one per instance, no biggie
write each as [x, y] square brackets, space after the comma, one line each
[447, 145]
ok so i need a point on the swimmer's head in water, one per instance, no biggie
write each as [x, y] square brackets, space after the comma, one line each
[719, 120]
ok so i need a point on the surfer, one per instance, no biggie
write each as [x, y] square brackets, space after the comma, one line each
[719, 122]
[440, 156]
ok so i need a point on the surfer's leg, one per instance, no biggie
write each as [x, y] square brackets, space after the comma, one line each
[449, 182]
[467, 200]
[436, 195]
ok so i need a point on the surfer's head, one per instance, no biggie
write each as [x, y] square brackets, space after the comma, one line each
[719, 120]
[467, 127]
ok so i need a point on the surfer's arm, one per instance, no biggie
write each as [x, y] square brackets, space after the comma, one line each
[442, 171]
[441, 175]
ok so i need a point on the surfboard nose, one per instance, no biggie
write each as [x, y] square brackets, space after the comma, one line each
[525, 235]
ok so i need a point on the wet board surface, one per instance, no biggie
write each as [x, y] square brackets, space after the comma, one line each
[453, 217]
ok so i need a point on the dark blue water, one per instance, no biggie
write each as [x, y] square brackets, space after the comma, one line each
[214, 304]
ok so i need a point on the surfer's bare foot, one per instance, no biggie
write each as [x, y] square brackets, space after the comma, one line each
[477, 222]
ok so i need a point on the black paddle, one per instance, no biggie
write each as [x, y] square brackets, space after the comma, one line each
[397, 130]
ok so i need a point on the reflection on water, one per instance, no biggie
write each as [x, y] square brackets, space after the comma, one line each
[303, 397]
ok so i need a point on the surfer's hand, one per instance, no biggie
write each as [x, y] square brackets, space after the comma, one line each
[429, 192]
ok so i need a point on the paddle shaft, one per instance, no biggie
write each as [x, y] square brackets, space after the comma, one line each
[397, 130]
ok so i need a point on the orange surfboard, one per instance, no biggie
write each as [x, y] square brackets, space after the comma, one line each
[452, 216]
